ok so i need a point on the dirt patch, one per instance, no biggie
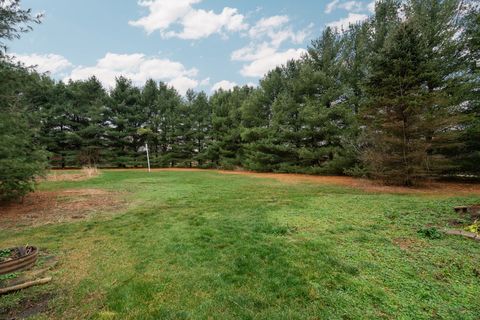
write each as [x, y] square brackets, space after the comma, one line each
[28, 308]
[406, 244]
[44, 207]
[432, 188]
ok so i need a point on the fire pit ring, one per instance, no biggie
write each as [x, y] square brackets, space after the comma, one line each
[24, 261]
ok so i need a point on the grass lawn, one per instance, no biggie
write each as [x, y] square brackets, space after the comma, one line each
[204, 245]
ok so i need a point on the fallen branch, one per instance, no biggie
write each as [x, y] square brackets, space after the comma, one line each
[462, 233]
[25, 285]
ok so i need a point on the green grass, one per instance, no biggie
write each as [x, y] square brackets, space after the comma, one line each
[201, 245]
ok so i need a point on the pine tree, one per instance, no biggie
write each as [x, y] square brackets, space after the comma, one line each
[439, 25]
[125, 116]
[225, 149]
[469, 154]
[327, 117]
[258, 137]
[182, 147]
[356, 48]
[14, 21]
[402, 125]
[88, 108]
[22, 160]
[201, 127]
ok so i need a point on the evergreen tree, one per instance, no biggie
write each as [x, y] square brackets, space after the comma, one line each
[327, 116]
[225, 149]
[73, 122]
[14, 21]
[355, 51]
[183, 143]
[469, 155]
[401, 123]
[125, 116]
[438, 26]
[22, 160]
[169, 103]
[201, 127]
[257, 134]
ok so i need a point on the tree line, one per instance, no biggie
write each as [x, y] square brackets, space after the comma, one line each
[395, 98]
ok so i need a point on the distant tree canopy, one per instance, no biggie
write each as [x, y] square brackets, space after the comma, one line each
[395, 98]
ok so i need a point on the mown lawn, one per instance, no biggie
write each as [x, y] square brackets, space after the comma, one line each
[202, 245]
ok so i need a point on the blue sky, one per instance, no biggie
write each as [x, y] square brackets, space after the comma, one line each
[203, 45]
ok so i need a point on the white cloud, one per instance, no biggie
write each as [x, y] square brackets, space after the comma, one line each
[200, 23]
[224, 84]
[264, 51]
[52, 63]
[331, 6]
[275, 29]
[195, 23]
[265, 62]
[182, 84]
[266, 24]
[352, 18]
[138, 68]
[253, 52]
[205, 82]
[162, 13]
[353, 6]
[350, 6]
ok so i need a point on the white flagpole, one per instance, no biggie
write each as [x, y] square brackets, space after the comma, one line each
[148, 157]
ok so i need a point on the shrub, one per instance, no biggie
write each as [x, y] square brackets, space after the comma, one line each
[430, 233]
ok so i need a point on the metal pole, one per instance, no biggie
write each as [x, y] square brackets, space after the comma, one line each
[148, 157]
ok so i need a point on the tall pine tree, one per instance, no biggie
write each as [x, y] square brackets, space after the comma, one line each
[403, 124]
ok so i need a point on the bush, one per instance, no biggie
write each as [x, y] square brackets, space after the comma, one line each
[475, 227]
[430, 233]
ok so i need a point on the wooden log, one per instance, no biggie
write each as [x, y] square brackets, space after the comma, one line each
[463, 233]
[25, 285]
